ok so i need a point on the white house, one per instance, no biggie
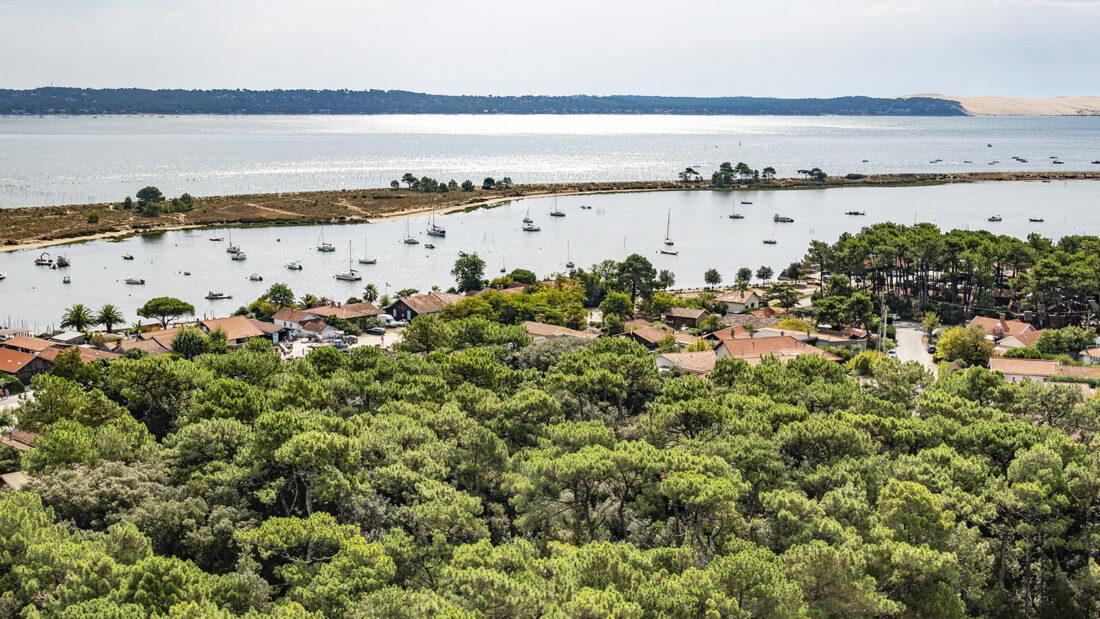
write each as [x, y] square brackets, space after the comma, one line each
[737, 301]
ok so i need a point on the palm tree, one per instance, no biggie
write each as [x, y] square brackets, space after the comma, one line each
[370, 293]
[109, 316]
[77, 317]
[308, 301]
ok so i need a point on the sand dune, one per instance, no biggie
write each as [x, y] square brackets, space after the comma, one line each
[1019, 106]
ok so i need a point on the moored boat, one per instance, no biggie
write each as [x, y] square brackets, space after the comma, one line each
[255, 277]
[994, 218]
[44, 260]
[1037, 220]
[216, 296]
[782, 219]
[294, 266]
[135, 281]
[239, 256]
[857, 213]
[530, 227]
[127, 256]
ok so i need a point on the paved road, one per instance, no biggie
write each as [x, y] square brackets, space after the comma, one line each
[911, 346]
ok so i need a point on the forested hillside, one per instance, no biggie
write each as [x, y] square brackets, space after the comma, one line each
[141, 101]
[486, 476]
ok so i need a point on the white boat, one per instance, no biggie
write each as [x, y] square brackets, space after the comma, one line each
[670, 252]
[433, 228]
[529, 227]
[733, 211]
[527, 217]
[240, 255]
[568, 259]
[66, 280]
[668, 229]
[294, 266]
[351, 275]
[781, 219]
[409, 240]
[255, 277]
[215, 296]
[44, 260]
[323, 246]
[769, 241]
[368, 261]
[217, 239]
[995, 218]
[557, 212]
[429, 246]
[134, 281]
[231, 248]
[62, 262]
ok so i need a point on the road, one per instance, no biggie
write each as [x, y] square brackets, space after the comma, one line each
[911, 346]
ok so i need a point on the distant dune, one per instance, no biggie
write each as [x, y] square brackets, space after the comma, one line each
[1019, 106]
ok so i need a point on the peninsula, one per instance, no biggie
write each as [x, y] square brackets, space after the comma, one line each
[33, 227]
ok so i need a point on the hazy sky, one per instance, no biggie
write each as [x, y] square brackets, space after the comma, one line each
[711, 47]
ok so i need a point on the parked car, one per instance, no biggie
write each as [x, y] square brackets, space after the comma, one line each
[339, 344]
[350, 339]
[931, 349]
[398, 323]
[892, 353]
[375, 331]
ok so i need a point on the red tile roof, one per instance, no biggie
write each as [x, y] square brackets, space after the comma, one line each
[543, 330]
[430, 303]
[13, 361]
[1001, 327]
[1024, 367]
[32, 344]
[693, 362]
[690, 313]
[87, 355]
[753, 350]
[348, 311]
[237, 327]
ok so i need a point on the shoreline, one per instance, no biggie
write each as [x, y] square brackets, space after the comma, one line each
[251, 211]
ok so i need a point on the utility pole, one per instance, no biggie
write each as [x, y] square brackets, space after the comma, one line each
[882, 326]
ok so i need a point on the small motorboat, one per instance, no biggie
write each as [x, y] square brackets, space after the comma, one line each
[66, 280]
[1036, 220]
[462, 254]
[994, 218]
[1096, 162]
[1045, 180]
[127, 256]
[586, 207]
[429, 246]
[990, 145]
[216, 296]
[855, 213]
[350, 276]
[557, 213]
[670, 252]
[769, 241]
[217, 239]
[368, 261]
[5, 275]
[44, 260]
[255, 277]
[529, 227]
[240, 255]
[134, 281]
[781, 219]
[294, 266]
[570, 264]
[62, 262]
[1057, 162]
[736, 216]
[746, 202]
[187, 273]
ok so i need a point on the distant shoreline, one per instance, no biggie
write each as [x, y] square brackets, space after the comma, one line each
[29, 228]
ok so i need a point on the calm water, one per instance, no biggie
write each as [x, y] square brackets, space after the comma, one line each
[617, 225]
[67, 160]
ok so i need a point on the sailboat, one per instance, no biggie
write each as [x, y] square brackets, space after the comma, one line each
[231, 248]
[433, 229]
[322, 245]
[409, 240]
[568, 261]
[367, 259]
[556, 212]
[668, 230]
[351, 275]
[527, 217]
[733, 211]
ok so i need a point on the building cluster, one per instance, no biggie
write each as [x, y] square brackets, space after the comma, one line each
[1008, 334]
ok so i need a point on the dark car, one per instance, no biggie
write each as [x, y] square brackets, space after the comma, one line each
[931, 349]
[376, 330]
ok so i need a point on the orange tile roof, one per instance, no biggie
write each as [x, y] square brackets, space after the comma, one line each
[1024, 367]
[235, 327]
[783, 347]
[999, 327]
[13, 361]
[694, 362]
[737, 296]
[348, 311]
[87, 355]
[24, 342]
[691, 313]
[430, 303]
[1079, 371]
[541, 329]
[1029, 339]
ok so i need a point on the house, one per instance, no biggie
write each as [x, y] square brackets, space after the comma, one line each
[69, 338]
[87, 355]
[319, 329]
[292, 319]
[681, 317]
[748, 320]
[737, 301]
[239, 329]
[727, 333]
[27, 344]
[150, 347]
[14, 480]
[769, 312]
[407, 308]
[651, 337]
[1017, 370]
[1027, 339]
[688, 362]
[19, 440]
[22, 365]
[353, 312]
[507, 292]
[754, 349]
[1091, 355]
[1000, 327]
[540, 332]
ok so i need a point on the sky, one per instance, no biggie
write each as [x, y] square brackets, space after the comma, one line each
[783, 48]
